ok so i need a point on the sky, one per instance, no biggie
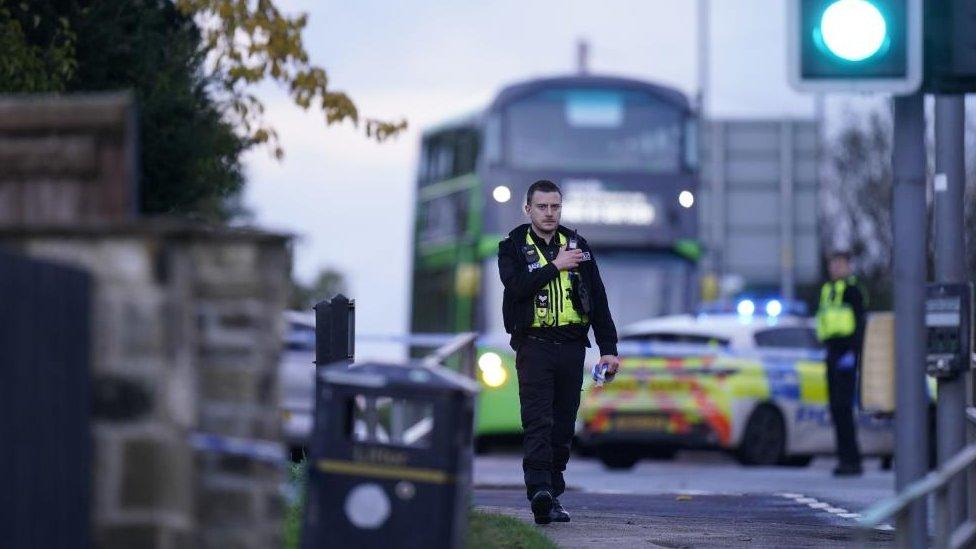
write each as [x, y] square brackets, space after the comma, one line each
[349, 200]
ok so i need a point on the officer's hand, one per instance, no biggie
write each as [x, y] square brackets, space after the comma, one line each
[568, 259]
[612, 362]
[847, 361]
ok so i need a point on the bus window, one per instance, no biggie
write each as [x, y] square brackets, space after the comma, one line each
[594, 129]
[443, 162]
[433, 301]
[645, 287]
[691, 144]
[493, 139]
[448, 155]
[444, 218]
[466, 153]
[436, 159]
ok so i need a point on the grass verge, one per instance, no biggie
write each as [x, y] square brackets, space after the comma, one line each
[490, 530]
[296, 507]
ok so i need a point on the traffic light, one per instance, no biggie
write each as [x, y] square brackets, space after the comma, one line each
[950, 46]
[855, 45]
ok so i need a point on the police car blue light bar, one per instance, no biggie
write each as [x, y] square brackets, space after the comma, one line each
[748, 306]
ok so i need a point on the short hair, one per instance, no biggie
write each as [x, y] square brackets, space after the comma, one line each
[543, 186]
[840, 254]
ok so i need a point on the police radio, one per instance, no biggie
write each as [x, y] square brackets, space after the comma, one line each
[579, 293]
[948, 329]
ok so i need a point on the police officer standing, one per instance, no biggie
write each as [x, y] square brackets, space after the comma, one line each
[840, 326]
[553, 294]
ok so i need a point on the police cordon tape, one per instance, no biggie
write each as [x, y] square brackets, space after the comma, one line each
[274, 452]
[624, 348]
[261, 450]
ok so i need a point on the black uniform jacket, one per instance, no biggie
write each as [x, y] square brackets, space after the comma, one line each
[521, 286]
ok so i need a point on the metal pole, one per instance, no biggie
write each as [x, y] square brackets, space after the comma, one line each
[710, 131]
[787, 215]
[704, 28]
[909, 228]
[582, 57]
[950, 261]
[717, 192]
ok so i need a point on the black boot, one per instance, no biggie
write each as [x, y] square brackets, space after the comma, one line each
[558, 514]
[542, 507]
[848, 470]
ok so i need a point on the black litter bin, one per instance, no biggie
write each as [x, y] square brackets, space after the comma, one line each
[390, 457]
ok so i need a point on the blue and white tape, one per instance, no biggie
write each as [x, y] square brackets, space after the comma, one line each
[261, 450]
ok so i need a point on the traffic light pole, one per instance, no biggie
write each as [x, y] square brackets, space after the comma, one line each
[909, 228]
[950, 253]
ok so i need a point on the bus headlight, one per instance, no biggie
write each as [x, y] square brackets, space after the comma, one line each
[501, 194]
[492, 372]
[686, 199]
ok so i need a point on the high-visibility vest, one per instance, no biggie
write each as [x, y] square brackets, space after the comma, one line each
[553, 302]
[835, 318]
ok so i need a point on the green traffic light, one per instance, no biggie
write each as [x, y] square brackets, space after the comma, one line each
[853, 30]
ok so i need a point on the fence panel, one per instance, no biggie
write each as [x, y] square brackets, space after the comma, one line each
[45, 443]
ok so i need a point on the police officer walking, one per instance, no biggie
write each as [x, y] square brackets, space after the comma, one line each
[553, 294]
[840, 326]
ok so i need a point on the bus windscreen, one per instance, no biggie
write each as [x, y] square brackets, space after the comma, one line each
[594, 129]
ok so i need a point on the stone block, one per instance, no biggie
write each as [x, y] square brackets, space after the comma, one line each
[226, 507]
[231, 263]
[267, 426]
[157, 475]
[233, 538]
[116, 399]
[127, 537]
[225, 384]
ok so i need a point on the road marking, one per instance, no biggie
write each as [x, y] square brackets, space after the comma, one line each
[814, 503]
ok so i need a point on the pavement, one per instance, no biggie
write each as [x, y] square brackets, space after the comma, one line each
[696, 500]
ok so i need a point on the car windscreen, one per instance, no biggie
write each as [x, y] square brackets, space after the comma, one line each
[688, 339]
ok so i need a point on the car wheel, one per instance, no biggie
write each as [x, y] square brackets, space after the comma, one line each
[764, 440]
[797, 461]
[615, 456]
[583, 449]
[481, 445]
[660, 453]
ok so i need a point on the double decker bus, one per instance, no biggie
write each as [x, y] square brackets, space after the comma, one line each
[624, 153]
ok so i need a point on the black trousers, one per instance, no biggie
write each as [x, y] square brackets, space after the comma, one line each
[841, 385]
[550, 378]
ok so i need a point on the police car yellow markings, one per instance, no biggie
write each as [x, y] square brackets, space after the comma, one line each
[812, 381]
[717, 417]
[674, 388]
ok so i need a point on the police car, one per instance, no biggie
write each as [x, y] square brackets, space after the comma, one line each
[750, 380]
[296, 379]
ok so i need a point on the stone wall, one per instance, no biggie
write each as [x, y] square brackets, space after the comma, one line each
[67, 159]
[186, 339]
